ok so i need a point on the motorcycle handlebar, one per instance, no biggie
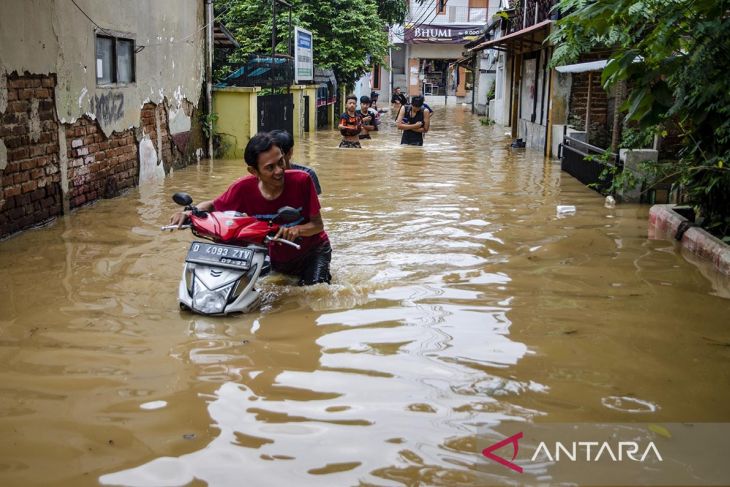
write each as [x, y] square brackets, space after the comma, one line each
[287, 242]
[174, 227]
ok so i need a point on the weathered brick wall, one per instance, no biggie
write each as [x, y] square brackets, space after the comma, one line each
[99, 166]
[579, 99]
[29, 172]
[34, 172]
[152, 117]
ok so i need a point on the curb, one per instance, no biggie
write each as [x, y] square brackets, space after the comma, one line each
[663, 224]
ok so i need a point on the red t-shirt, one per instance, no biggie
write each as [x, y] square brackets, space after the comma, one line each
[244, 196]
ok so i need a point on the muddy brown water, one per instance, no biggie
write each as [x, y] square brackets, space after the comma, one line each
[459, 299]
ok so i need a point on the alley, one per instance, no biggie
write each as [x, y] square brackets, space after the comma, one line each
[459, 298]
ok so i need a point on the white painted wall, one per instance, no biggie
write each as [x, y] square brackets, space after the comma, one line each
[436, 51]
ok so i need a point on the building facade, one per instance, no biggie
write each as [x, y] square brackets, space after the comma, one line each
[94, 97]
[428, 46]
[528, 96]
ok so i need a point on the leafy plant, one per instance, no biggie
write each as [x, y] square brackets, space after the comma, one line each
[207, 124]
[486, 121]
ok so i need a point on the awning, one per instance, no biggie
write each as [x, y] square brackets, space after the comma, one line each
[222, 37]
[462, 61]
[515, 37]
[583, 67]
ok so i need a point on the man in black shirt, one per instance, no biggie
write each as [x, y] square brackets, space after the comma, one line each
[412, 121]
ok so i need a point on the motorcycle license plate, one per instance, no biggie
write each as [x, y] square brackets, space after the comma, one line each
[220, 255]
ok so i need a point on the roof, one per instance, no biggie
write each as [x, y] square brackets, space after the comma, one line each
[513, 37]
[222, 37]
[463, 60]
[583, 67]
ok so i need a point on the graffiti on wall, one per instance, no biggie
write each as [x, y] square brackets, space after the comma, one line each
[108, 107]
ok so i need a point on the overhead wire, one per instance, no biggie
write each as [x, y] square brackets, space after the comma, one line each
[140, 47]
[420, 20]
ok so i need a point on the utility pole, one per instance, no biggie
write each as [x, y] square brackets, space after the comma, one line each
[273, 40]
[209, 18]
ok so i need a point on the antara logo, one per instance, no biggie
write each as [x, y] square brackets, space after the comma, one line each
[589, 451]
[514, 439]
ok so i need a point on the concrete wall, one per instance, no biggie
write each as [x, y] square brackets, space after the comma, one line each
[237, 117]
[43, 37]
[503, 82]
[95, 140]
[533, 134]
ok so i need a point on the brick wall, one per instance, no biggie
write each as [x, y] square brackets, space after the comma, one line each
[98, 166]
[579, 98]
[152, 115]
[30, 190]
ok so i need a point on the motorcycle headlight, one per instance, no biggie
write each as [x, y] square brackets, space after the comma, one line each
[210, 302]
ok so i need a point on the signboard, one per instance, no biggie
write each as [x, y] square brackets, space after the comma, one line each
[303, 55]
[442, 34]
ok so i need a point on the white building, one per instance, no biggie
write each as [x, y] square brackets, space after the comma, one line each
[423, 59]
[429, 44]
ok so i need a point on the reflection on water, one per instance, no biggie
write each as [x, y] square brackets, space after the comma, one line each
[459, 299]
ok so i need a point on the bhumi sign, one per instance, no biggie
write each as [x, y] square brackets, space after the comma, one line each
[441, 34]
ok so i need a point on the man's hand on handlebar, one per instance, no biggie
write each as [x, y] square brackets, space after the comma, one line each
[289, 233]
[179, 218]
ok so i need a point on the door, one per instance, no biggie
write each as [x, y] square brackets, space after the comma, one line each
[276, 112]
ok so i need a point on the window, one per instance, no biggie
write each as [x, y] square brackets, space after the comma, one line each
[440, 6]
[114, 60]
[376, 76]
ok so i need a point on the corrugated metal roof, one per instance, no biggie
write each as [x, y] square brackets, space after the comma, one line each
[583, 67]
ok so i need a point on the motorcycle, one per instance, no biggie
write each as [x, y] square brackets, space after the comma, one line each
[220, 278]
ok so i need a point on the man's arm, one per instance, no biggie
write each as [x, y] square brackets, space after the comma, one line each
[406, 126]
[180, 217]
[426, 120]
[313, 227]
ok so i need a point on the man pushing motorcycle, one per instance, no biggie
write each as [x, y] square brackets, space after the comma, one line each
[268, 188]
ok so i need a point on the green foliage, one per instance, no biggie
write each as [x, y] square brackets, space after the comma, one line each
[207, 123]
[486, 121]
[348, 36]
[393, 11]
[635, 138]
[674, 56]
[490, 93]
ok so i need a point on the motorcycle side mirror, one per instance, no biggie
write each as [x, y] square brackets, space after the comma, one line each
[287, 214]
[182, 199]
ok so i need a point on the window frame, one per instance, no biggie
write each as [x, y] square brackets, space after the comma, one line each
[376, 76]
[115, 36]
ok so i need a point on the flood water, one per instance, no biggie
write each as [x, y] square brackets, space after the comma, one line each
[459, 299]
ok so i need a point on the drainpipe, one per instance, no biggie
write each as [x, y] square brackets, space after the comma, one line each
[209, 70]
[388, 93]
[588, 106]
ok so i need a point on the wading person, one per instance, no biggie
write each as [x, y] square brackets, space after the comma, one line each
[411, 120]
[367, 118]
[399, 100]
[350, 125]
[374, 101]
[285, 141]
[374, 110]
[268, 188]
